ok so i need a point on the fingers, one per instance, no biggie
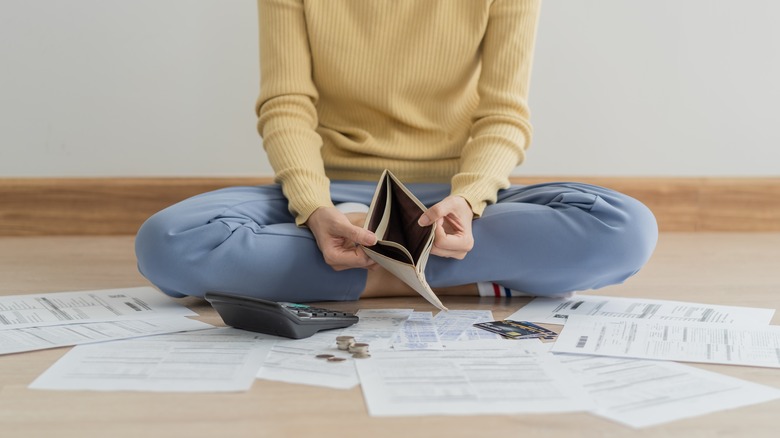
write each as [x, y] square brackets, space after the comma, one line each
[341, 258]
[451, 206]
[348, 254]
[356, 234]
[453, 237]
[432, 215]
[455, 245]
[336, 237]
[351, 255]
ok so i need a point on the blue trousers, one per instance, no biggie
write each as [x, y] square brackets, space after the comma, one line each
[544, 239]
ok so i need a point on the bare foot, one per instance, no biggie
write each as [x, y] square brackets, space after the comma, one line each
[381, 283]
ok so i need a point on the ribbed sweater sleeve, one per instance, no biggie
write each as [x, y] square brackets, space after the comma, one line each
[286, 112]
[500, 131]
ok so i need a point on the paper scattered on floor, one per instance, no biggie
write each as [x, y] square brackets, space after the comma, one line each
[669, 340]
[40, 338]
[420, 365]
[458, 325]
[641, 393]
[378, 327]
[59, 308]
[555, 311]
[295, 360]
[214, 360]
[464, 380]
[418, 332]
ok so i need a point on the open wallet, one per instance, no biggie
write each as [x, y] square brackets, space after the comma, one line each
[403, 246]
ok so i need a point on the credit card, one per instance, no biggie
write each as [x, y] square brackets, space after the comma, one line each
[517, 329]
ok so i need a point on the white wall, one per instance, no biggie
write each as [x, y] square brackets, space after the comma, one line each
[166, 88]
[129, 88]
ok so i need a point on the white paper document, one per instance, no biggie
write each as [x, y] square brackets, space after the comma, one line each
[555, 311]
[458, 325]
[296, 361]
[641, 393]
[463, 380]
[667, 340]
[20, 311]
[40, 338]
[418, 333]
[215, 360]
[378, 327]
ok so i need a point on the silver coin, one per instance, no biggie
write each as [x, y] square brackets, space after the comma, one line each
[344, 346]
[359, 348]
[361, 355]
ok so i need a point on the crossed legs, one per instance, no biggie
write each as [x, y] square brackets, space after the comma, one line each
[546, 239]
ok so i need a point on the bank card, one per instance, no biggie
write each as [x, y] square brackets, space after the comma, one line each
[517, 329]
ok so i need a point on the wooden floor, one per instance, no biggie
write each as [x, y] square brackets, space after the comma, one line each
[733, 269]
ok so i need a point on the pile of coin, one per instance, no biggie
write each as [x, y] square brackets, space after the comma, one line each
[344, 342]
[359, 350]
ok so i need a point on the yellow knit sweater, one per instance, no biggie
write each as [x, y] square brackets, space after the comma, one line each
[434, 90]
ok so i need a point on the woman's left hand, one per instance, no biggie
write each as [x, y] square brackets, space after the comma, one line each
[453, 216]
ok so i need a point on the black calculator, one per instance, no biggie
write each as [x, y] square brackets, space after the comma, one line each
[277, 318]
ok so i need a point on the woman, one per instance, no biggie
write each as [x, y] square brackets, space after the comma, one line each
[436, 91]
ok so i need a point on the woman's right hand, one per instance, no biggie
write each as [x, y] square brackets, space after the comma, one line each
[338, 238]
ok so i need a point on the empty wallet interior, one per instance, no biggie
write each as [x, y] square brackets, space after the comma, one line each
[402, 227]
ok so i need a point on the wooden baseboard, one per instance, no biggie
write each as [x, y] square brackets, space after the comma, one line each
[97, 206]
[101, 206]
